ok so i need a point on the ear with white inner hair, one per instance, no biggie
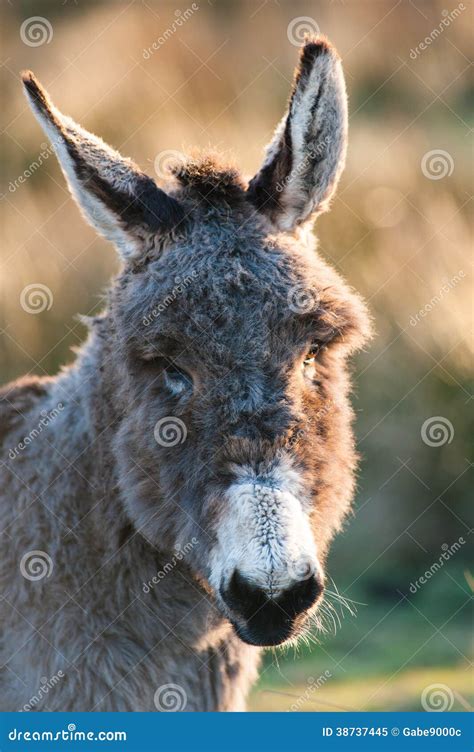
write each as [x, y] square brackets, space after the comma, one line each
[306, 156]
[116, 198]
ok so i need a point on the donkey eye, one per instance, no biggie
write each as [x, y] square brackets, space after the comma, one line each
[311, 355]
[177, 380]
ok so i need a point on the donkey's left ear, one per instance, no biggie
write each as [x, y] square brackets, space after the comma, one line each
[119, 200]
[305, 159]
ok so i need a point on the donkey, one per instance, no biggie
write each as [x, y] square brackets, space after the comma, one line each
[174, 514]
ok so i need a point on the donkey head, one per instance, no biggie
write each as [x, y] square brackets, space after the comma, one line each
[224, 353]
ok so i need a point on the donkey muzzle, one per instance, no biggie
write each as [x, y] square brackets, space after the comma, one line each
[265, 567]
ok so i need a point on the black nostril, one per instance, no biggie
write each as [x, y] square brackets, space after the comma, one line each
[242, 596]
[246, 599]
[302, 595]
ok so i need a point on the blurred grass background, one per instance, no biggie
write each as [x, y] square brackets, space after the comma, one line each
[221, 79]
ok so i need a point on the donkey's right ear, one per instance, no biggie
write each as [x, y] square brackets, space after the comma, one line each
[119, 200]
[306, 156]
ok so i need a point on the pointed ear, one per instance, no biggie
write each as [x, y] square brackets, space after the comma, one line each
[306, 156]
[116, 198]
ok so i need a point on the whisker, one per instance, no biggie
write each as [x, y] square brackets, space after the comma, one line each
[333, 611]
[345, 598]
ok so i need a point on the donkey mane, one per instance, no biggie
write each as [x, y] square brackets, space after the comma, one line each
[210, 176]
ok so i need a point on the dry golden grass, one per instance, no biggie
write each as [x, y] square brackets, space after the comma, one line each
[380, 693]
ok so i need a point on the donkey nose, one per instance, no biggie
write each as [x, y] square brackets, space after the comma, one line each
[264, 620]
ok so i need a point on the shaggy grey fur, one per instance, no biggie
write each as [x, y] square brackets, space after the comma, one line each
[210, 286]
